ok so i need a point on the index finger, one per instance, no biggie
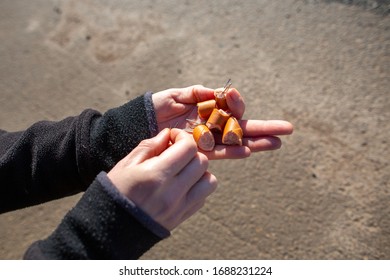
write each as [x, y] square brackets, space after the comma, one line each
[255, 128]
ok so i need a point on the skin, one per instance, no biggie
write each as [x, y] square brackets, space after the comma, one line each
[166, 176]
[174, 106]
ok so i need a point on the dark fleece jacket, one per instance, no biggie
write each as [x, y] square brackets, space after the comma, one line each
[51, 160]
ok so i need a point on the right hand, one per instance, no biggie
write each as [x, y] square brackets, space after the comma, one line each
[166, 177]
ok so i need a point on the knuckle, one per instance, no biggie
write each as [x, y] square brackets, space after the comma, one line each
[204, 161]
[192, 148]
[213, 183]
[192, 144]
[146, 144]
[195, 91]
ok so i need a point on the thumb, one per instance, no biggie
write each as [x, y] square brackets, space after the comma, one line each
[149, 148]
[235, 103]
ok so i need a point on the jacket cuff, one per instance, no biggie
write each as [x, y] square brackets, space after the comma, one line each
[151, 113]
[113, 135]
[131, 207]
[98, 227]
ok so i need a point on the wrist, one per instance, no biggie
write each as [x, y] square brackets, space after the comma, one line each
[131, 207]
[151, 113]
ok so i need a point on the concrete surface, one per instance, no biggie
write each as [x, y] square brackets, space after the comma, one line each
[322, 65]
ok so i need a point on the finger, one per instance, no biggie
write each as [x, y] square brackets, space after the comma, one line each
[191, 174]
[235, 103]
[266, 143]
[249, 145]
[191, 211]
[255, 128]
[255, 144]
[149, 148]
[184, 213]
[194, 94]
[202, 189]
[182, 150]
[228, 152]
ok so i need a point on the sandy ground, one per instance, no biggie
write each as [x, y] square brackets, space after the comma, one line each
[322, 65]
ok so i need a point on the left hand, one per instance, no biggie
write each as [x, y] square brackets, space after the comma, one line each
[174, 106]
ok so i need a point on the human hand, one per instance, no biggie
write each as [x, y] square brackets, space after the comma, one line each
[166, 177]
[174, 106]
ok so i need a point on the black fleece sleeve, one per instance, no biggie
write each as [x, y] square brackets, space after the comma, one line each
[115, 134]
[55, 159]
[102, 225]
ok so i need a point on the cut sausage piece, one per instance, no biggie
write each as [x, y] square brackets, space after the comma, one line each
[220, 98]
[203, 138]
[205, 108]
[217, 120]
[232, 133]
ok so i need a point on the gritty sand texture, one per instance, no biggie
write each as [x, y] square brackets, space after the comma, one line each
[322, 65]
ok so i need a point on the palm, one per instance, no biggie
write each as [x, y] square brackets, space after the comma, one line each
[175, 106]
[176, 117]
